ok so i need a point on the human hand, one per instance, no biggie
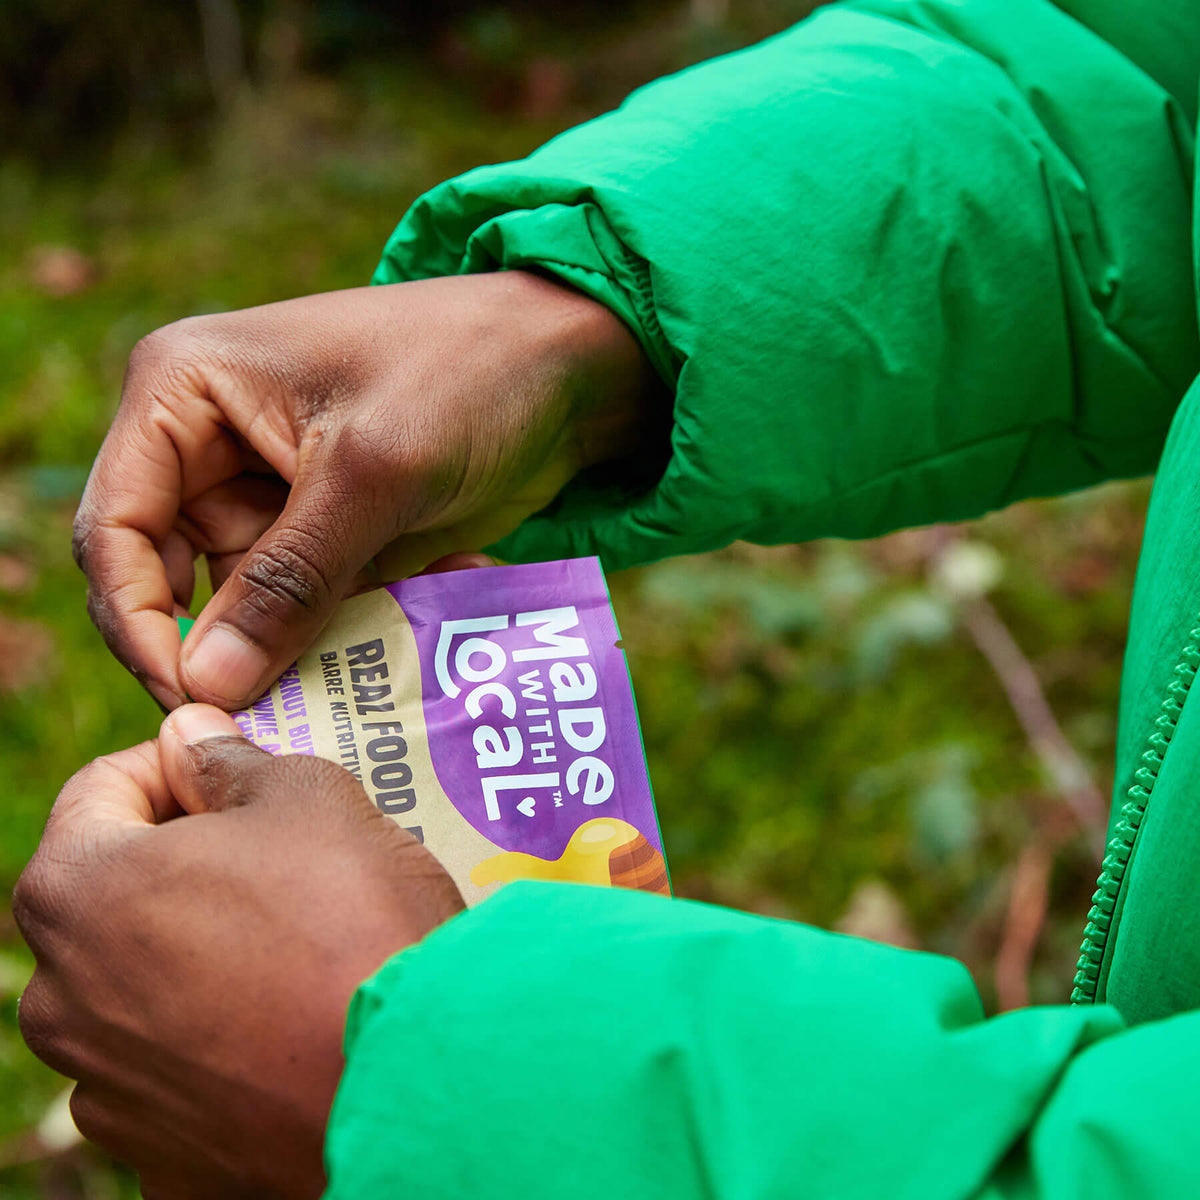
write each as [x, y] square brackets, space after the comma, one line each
[193, 974]
[296, 443]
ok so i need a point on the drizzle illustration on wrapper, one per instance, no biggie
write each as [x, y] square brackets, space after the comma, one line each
[603, 851]
[490, 712]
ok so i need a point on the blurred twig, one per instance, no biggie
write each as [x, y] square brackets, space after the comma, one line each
[1080, 799]
[1057, 756]
[1022, 925]
[1028, 901]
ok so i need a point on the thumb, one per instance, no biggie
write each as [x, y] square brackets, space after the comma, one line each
[207, 762]
[284, 590]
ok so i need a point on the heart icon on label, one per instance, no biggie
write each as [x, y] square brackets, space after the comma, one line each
[526, 806]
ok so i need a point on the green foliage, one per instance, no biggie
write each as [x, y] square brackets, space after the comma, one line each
[816, 719]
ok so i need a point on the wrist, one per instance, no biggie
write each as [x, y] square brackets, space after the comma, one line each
[619, 408]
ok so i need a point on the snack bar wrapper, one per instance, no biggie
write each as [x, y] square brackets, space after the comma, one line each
[489, 712]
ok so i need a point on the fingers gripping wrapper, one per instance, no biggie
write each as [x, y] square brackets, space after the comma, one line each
[490, 712]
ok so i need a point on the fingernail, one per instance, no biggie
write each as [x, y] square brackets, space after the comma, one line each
[226, 667]
[460, 560]
[166, 698]
[199, 722]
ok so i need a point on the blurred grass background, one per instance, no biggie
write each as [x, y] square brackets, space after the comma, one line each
[831, 728]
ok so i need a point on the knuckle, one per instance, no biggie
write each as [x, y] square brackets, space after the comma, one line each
[151, 352]
[105, 616]
[41, 1025]
[85, 1112]
[165, 362]
[93, 1118]
[99, 611]
[179, 339]
[81, 535]
[34, 901]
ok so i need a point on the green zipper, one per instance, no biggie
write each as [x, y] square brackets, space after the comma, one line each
[1120, 845]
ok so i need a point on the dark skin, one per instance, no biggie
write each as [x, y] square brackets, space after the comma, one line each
[316, 446]
[194, 970]
[201, 913]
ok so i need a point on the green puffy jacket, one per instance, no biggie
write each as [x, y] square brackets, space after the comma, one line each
[907, 262]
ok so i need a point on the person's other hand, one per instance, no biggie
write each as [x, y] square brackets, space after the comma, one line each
[193, 974]
[311, 447]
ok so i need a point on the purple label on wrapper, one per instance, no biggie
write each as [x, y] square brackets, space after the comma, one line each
[530, 715]
[490, 713]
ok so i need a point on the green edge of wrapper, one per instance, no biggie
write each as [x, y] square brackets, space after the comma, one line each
[185, 624]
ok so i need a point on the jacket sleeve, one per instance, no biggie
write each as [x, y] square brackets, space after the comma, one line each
[559, 1040]
[909, 261]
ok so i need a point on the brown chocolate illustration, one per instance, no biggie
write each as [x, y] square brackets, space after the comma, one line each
[605, 851]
